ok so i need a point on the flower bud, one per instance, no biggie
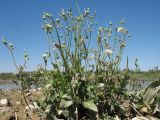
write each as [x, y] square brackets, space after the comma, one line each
[26, 55]
[86, 12]
[110, 23]
[4, 41]
[10, 45]
[46, 15]
[57, 20]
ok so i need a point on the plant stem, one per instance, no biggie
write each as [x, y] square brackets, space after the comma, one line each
[77, 7]
[60, 49]
[14, 61]
[20, 77]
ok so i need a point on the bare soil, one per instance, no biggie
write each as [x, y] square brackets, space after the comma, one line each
[17, 107]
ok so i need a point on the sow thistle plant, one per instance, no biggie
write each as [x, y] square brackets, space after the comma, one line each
[85, 82]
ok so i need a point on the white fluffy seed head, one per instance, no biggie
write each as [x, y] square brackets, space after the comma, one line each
[122, 30]
[109, 51]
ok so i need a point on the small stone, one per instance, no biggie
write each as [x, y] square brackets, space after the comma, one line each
[4, 102]
[144, 110]
[18, 103]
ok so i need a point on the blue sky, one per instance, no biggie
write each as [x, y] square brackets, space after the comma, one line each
[20, 23]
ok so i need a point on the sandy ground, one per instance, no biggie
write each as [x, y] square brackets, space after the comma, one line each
[16, 109]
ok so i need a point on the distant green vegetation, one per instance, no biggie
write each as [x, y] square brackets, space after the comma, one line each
[8, 76]
[146, 75]
[14, 76]
[142, 75]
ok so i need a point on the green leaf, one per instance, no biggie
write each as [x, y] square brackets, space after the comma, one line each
[66, 113]
[65, 103]
[66, 97]
[151, 92]
[89, 104]
[150, 95]
[154, 84]
[4, 41]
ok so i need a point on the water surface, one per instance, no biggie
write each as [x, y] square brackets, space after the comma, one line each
[142, 84]
[8, 86]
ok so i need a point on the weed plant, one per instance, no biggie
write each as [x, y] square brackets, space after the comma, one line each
[85, 82]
